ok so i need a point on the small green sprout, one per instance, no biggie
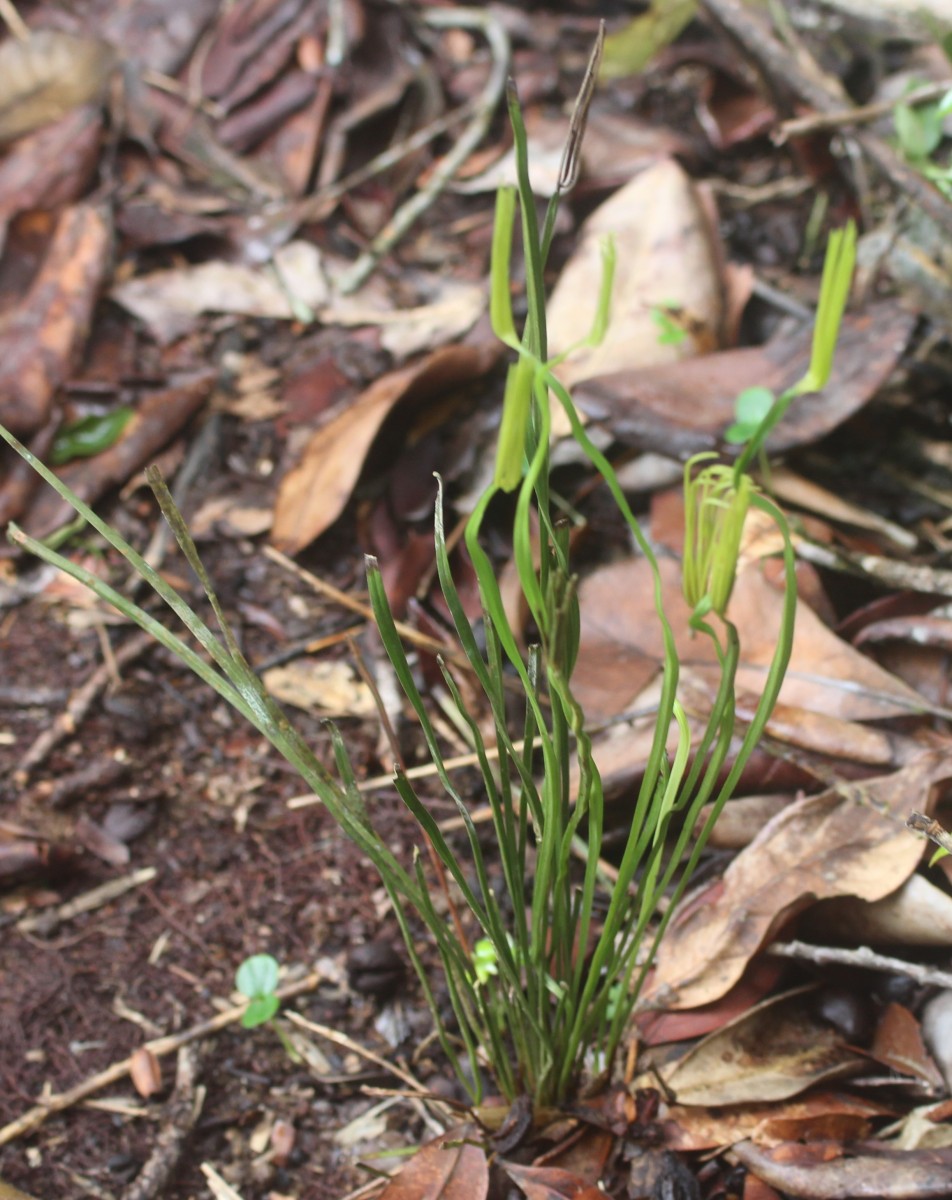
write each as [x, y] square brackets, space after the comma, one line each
[257, 979]
[670, 332]
[750, 409]
[89, 435]
[485, 961]
[834, 292]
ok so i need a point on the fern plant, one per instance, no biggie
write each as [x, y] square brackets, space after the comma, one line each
[541, 986]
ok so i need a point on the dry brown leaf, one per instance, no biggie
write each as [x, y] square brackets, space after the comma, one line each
[680, 408]
[313, 494]
[46, 76]
[772, 1052]
[850, 840]
[667, 254]
[41, 338]
[828, 1115]
[448, 1168]
[621, 649]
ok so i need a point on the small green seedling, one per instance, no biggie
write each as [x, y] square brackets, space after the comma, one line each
[919, 130]
[257, 979]
[670, 333]
[750, 409]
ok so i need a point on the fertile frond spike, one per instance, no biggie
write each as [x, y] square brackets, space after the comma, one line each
[834, 292]
[500, 301]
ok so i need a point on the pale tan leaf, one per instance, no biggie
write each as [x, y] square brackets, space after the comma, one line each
[667, 255]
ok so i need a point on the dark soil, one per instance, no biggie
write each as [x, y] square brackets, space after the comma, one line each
[237, 873]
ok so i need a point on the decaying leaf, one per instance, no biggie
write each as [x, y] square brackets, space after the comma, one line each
[313, 494]
[847, 841]
[775, 1050]
[448, 1168]
[47, 75]
[40, 340]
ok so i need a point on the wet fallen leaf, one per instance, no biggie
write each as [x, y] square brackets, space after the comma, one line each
[47, 75]
[775, 1050]
[313, 494]
[847, 841]
[448, 1168]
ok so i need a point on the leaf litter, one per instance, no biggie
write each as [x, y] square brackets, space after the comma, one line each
[212, 250]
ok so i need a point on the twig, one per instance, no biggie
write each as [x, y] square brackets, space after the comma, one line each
[34, 1117]
[87, 902]
[79, 705]
[414, 636]
[863, 113]
[861, 957]
[182, 1111]
[409, 212]
[801, 75]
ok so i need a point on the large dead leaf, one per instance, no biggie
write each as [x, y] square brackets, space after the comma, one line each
[772, 1052]
[850, 840]
[681, 408]
[314, 493]
[621, 648]
[448, 1168]
[667, 256]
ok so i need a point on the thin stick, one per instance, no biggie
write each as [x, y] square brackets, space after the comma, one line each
[79, 705]
[34, 1117]
[424, 642]
[798, 126]
[861, 957]
[411, 211]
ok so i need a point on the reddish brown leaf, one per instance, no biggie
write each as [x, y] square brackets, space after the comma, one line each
[314, 493]
[448, 1168]
[41, 339]
[551, 1183]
